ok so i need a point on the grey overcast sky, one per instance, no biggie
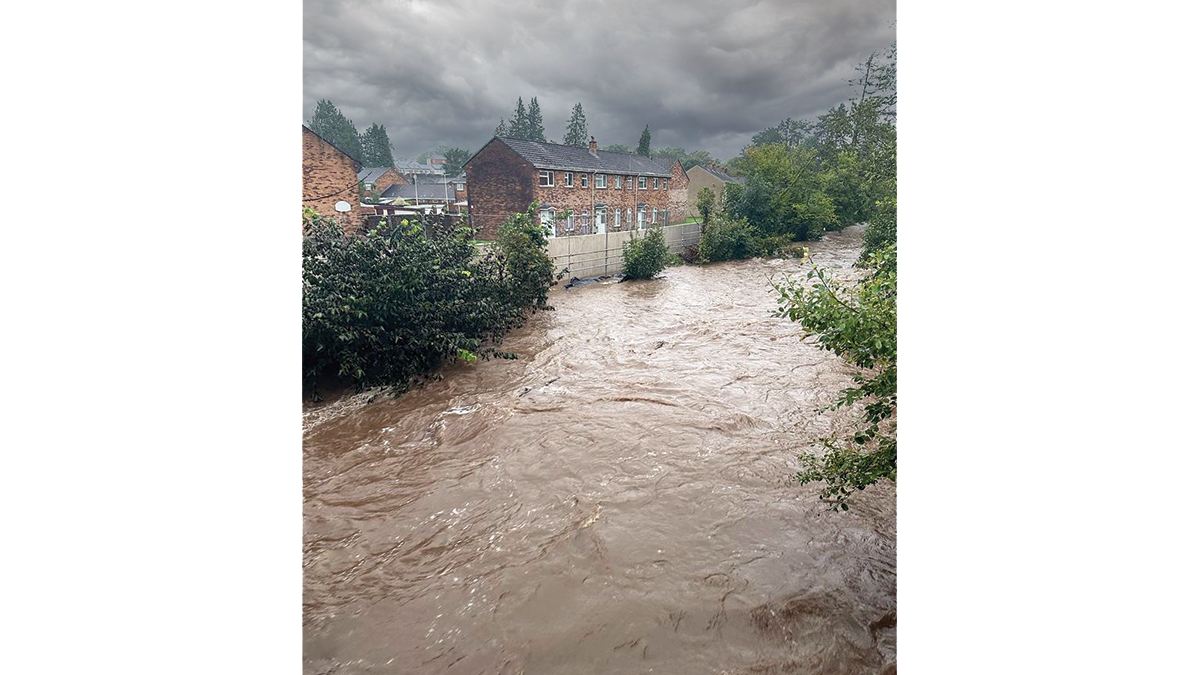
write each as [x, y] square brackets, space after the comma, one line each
[704, 74]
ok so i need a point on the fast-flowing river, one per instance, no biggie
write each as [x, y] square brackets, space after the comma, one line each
[618, 500]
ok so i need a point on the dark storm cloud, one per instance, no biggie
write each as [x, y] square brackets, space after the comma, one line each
[704, 74]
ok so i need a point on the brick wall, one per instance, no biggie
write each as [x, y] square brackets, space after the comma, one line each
[330, 175]
[389, 178]
[579, 199]
[677, 195]
[499, 184]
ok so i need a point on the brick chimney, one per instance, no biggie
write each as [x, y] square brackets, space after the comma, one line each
[592, 146]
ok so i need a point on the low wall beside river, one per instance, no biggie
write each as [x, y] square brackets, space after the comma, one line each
[595, 255]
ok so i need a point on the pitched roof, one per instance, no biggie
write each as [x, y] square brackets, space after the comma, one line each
[571, 158]
[357, 163]
[372, 174]
[422, 191]
[722, 175]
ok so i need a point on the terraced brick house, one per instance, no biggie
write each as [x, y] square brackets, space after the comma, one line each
[379, 178]
[601, 191]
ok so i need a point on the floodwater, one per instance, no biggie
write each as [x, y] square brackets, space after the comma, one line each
[618, 500]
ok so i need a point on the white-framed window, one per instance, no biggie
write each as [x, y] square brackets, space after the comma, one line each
[368, 186]
[601, 181]
[653, 216]
[665, 183]
[655, 183]
[617, 218]
[546, 178]
[641, 182]
[547, 218]
[629, 181]
[569, 179]
[629, 216]
[459, 187]
[583, 180]
[569, 224]
[583, 222]
[616, 182]
[641, 221]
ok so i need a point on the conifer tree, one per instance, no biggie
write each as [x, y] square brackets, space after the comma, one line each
[518, 126]
[576, 128]
[329, 123]
[376, 147]
[535, 131]
[644, 143]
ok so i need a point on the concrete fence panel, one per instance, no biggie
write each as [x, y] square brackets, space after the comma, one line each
[594, 255]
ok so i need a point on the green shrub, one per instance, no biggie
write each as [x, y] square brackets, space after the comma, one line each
[645, 256]
[881, 230]
[727, 239]
[392, 304]
[767, 247]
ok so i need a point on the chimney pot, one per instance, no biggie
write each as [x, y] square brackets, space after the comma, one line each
[592, 145]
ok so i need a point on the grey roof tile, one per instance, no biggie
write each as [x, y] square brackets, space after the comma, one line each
[571, 158]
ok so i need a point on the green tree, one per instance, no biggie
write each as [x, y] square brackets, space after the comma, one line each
[617, 147]
[704, 202]
[501, 129]
[644, 143]
[376, 147]
[859, 324]
[518, 126]
[455, 158]
[576, 128]
[535, 131]
[329, 123]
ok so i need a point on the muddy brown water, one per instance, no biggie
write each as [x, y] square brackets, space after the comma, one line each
[618, 500]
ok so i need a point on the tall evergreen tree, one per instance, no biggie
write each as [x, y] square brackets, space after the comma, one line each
[576, 128]
[501, 129]
[329, 123]
[376, 147]
[518, 126]
[535, 131]
[644, 143]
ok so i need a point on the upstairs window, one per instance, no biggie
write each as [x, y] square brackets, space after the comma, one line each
[459, 187]
[655, 183]
[569, 179]
[641, 182]
[617, 183]
[546, 178]
[601, 181]
[583, 180]
[629, 182]
[665, 183]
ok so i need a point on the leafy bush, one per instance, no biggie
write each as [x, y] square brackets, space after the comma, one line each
[727, 239]
[858, 324]
[392, 304]
[881, 230]
[767, 247]
[645, 256]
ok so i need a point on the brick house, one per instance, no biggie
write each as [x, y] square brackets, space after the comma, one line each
[380, 178]
[711, 177]
[330, 176]
[603, 191]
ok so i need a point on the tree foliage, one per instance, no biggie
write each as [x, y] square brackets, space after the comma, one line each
[705, 198]
[577, 134]
[783, 193]
[643, 148]
[391, 305]
[688, 160]
[518, 125]
[455, 158]
[501, 129]
[857, 323]
[617, 147]
[534, 131]
[329, 123]
[645, 256]
[376, 147]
